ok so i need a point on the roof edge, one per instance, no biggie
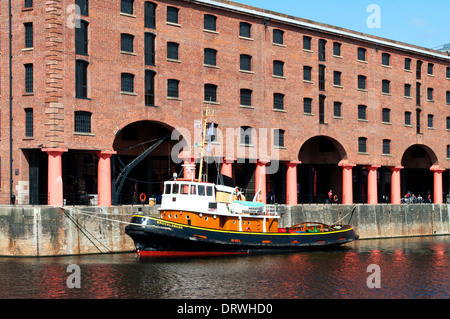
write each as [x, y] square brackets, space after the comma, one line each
[308, 24]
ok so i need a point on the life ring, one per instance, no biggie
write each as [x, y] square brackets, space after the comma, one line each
[248, 229]
[335, 198]
[429, 198]
[143, 197]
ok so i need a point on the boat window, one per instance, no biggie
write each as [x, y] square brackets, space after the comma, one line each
[184, 189]
[193, 190]
[209, 191]
[175, 189]
[201, 190]
[168, 187]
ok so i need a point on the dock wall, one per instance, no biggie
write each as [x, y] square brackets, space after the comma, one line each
[51, 231]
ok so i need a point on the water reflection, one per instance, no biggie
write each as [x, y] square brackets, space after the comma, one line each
[410, 268]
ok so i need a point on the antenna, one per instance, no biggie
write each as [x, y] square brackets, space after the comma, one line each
[206, 115]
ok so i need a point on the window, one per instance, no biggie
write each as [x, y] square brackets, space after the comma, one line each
[337, 78]
[448, 72]
[84, 6]
[127, 42]
[245, 62]
[246, 135]
[430, 68]
[362, 145]
[172, 51]
[149, 14]
[408, 118]
[407, 90]
[28, 4]
[322, 50]
[210, 93]
[173, 88]
[386, 115]
[149, 48]
[307, 105]
[246, 97]
[386, 147]
[28, 34]
[448, 151]
[213, 136]
[361, 54]
[337, 110]
[149, 88]
[386, 59]
[430, 92]
[210, 22]
[278, 138]
[172, 15]
[430, 120]
[29, 78]
[386, 86]
[278, 36]
[447, 97]
[322, 77]
[419, 70]
[418, 94]
[322, 109]
[245, 30]
[126, 6]
[82, 122]
[407, 64]
[28, 122]
[307, 70]
[127, 82]
[362, 112]
[210, 57]
[278, 68]
[278, 101]
[448, 122]
[81, 79]
[362, 82]
[307, 43]
[81, 38]
[337, 48]
[418, 123]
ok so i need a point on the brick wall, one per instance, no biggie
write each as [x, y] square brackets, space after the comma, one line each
[54, 102]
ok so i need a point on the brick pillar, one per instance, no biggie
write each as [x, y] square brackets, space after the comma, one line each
[396, 185]
[372, 185]
[347, 183]
[437, 172]
[260, 180]
[55, 182]
[291, 183]
[104, 177]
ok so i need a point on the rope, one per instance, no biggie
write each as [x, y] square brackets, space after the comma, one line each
[83, 231]
[112, 220]
[351, 212]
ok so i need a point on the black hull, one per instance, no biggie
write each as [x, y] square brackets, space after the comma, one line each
[156, 237]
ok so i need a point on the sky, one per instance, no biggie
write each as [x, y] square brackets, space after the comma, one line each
[425, 23]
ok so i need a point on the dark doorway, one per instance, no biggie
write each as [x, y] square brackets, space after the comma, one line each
[319, 172]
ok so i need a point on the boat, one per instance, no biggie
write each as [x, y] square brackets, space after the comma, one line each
[197, 217]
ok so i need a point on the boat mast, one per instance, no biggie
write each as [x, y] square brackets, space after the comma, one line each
[205, 116]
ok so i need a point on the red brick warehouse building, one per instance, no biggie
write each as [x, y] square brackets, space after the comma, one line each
[364, 116]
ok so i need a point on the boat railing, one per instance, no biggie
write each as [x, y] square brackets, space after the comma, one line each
[272, 210]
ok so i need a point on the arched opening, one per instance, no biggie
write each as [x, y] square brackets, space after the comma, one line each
[143, 161]
[319, 172]
[417, 177]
